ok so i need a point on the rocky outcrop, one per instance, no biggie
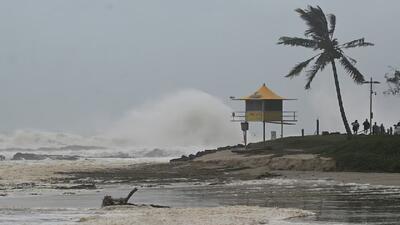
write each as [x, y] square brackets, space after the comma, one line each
[185, 158]
[32, 156]
[2, 157]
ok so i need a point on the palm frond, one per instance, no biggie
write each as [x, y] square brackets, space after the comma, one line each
[295, 41]
[323, 60]
[357, 43]
[299, 67]
[319, 65]
[352, 60]
[332, 24]
[351, 70]
[311, 74]
[316, 22]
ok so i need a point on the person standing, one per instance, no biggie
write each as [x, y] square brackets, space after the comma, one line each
[355, 125]
[366, 125]
[375, 129]
[382, 129]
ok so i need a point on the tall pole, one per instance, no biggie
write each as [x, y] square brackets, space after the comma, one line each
[245, 138]
[264, 131]
[263, 119]
[370, 106]
[371, 92]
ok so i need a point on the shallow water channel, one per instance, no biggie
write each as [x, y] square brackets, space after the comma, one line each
[333, 203]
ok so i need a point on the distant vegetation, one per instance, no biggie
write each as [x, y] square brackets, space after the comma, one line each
[363, 153]
[393, 80]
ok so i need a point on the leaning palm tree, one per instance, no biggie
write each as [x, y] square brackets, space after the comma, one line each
[319, 37]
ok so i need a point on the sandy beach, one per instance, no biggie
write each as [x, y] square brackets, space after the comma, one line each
[224, 187]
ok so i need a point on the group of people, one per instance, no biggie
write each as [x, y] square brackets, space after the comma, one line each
[375, 128]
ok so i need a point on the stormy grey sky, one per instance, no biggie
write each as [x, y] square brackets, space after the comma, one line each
[78, 65]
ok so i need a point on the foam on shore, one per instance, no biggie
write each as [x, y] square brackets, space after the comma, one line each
[43, 171]
[195, 216]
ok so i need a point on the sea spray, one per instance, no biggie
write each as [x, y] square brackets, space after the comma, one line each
[185, 118]
[180, 123]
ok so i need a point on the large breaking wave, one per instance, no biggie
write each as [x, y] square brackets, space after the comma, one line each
[179, 123]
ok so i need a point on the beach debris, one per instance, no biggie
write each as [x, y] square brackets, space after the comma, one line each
[110, 201]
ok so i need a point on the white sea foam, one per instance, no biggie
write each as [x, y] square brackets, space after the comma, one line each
[283, 182]
[196, 216]
[15, 172]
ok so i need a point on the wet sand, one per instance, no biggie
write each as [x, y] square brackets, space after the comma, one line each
[215, 184]
[20, 174]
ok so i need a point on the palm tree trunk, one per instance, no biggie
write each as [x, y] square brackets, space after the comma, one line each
[339, 96]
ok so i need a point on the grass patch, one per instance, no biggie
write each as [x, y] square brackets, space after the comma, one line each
[362, 153]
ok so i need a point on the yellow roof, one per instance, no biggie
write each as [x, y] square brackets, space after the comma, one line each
[263, 93]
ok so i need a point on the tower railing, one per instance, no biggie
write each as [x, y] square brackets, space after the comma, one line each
[288, 117]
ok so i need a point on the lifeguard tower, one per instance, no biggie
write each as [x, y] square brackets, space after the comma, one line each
[264, 106]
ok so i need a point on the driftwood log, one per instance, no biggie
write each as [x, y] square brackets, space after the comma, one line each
[109, 201]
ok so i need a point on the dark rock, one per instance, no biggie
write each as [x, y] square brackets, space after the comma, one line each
[79, 186]
[205, 152]
[63, 157]
[183, 158]
[2, 157]
[28, 156]
[32, 156]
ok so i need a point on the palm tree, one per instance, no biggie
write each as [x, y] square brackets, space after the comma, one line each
[319, 37]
